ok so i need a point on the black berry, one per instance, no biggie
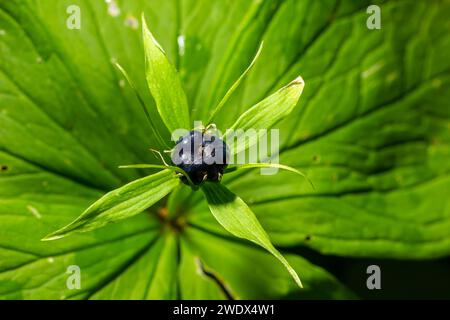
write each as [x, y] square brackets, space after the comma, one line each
[202, 156]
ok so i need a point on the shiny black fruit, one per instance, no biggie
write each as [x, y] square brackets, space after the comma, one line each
[202, 156]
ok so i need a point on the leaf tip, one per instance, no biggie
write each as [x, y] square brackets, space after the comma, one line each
[144, 25]
[145, 29]
[58, 234]
[261, 46]
[148, 34]
[298, 281]
[298, 81]
[52, 236]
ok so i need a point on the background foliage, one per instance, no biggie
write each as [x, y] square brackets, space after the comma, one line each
[371, 131]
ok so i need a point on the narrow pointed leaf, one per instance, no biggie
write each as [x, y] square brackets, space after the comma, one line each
[269, 165]
[164, 84]
[263, 115]
[237, 218]
[155, 131]
[144, 166]
[121, 203]
[158, 166]
[235, 85]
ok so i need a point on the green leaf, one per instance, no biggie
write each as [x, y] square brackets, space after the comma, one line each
[121, 203]
[237, 218]
[234, 86]
[155, 132]
[164, 84]
[195, 283]
[164, 283]
[267, 165]
[263, 115]
[157, 166]
[247, 272]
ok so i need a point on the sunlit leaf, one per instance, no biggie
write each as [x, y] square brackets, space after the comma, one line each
[263, 116]
[121, 203]
[253, 265]
[237, 218]
[153, 128]
[235, 85]
[157, 166]
[164, 84]
[268, 165]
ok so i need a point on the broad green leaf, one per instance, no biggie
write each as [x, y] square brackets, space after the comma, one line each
[134, 280]
[164, 284]
[151, 276]
[164, 84]
[125, 202]
[248, 272]
[263, 116]
[195, 283]
[237, 218]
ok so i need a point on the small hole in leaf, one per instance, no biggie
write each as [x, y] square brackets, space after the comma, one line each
[308, 237]
[3, 167]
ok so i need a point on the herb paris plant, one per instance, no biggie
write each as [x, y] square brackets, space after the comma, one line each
[228, 209]
[371, 132]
